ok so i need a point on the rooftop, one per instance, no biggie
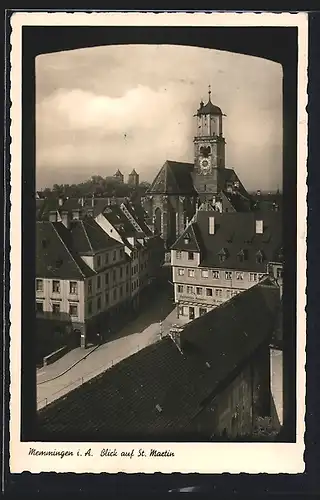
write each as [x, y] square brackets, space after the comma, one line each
[89, 238]
[157, 392]
[55, 254]
[236, 237]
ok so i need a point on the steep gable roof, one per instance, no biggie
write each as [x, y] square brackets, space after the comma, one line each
[173, 178]
[55, 254]
[160, 390]
[89, 238]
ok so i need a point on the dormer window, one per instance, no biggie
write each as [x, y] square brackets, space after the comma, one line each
[242, 255]
[259, 257]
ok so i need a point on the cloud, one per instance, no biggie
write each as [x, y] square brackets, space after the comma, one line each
[105, 108]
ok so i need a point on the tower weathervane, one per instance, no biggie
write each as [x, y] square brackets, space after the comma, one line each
[209, 91]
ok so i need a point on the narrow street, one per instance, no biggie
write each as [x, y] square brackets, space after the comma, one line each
[61, 377]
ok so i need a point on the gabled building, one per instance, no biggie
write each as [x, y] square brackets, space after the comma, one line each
[179, 188]
[220, 255]
[145, 250]
[210, 381]
[82, 280]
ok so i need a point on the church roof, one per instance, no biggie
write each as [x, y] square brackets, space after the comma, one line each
[174, 178]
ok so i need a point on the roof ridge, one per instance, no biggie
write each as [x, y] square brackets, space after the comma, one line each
[66, 247]
[85, 232]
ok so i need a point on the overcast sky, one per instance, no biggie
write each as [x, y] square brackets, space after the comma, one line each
[103, 108]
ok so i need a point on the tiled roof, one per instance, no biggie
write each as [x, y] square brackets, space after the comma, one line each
[89, 238]
[55, 256]
[239, 202]
[157, 392]
[174, 178]
[118, 219]
[235, 232]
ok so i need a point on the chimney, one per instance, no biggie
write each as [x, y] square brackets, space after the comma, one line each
[92, 201]
[211, 225]
[60, 201]
[259, 226]
[65, 218]
[175, 334]
[52, 216]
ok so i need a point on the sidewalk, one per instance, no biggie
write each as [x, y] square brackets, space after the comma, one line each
[132, 338]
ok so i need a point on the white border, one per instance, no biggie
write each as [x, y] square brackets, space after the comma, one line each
[203, 457]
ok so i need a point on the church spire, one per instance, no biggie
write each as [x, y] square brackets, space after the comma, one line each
[209, 92]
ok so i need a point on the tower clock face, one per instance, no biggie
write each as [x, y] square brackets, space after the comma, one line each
[205, 165]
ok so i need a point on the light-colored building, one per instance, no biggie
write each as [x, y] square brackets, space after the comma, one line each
[83, 278]
[144, 250]
[220, 255]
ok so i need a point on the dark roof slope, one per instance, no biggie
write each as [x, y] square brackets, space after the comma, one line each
[55, 256]
[139, 215]
[157, 392]
[209, 108]
[174, 178]
[236, 232]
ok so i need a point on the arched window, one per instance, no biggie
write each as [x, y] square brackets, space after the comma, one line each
[157, 220]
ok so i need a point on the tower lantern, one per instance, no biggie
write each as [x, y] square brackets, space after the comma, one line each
[209, 145]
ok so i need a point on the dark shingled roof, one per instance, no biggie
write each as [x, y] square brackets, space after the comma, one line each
[159, 391]
[174, 178]
[55, 257]
[89, 238]
[139, 215]
[209, 109]
[235, 232]
[120, 222]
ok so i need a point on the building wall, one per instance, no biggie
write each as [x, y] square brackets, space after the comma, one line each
[201, 288]
[235, 409]
[229, 414]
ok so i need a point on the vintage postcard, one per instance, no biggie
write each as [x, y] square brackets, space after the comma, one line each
[158, 242]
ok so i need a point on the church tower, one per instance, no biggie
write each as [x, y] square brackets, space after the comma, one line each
[209, 149]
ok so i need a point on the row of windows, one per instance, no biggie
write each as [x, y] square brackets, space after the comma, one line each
[241, 256]
[179, 255]
[228, 275]
[56, 308]
[190, 311]
[208, 292]
[107, 258]
[56, 286]
[107, 278]
[115, 295]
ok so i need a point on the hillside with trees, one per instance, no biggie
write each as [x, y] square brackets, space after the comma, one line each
[96, 186]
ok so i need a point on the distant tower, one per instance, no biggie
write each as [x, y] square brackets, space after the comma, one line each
[209, 149]
[133, 179]
[119, 176]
